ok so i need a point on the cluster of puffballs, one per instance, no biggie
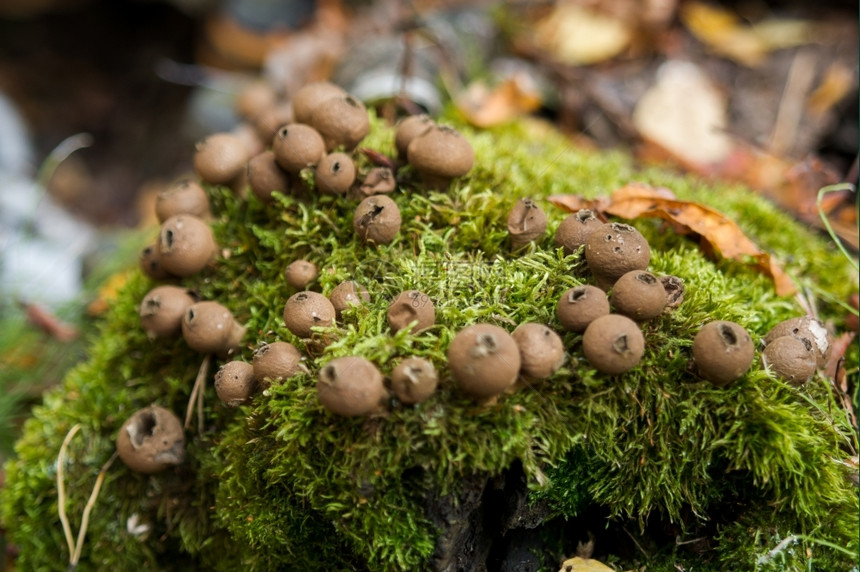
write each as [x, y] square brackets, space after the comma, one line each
[309, 145]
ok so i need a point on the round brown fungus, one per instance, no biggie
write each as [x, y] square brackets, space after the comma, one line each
[151, 440]
[162, 309]
[440, 155]
[792, 359]
[235, 383]
[377, 220]
[220, 158]
[342, 121]
[182, 197]
[335, 174]
[297, 146]
[411, 306]
[809, 328]
[484, 360]
[300, 273]
[351, 386]
[265, 176]
[613, 249]
[414, 380]
[613, 344]
[722, 352]
[574, 230]
[581, 305]
[526, 223]
[305, 310]
[638, 294]
[209, 327]
[276, 361]
[185, 245]
[541, 350]
[346, 294]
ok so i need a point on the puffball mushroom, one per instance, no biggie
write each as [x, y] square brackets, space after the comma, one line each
[185, 245]
[335, 174]
[348, 293]
[220, 158]
[377, 220]
[300, 273]
[377, 181]
[150, 263]
[342, 121]
[575, 229]
[441, 154]
[276, 361]
[350, 386]
[581, 305]
[235, 383]
[209, 327]
[722, 352]
[792, 359]
[414, 380]
[614, 249]
[638, 294]
[411, 306]
[265, 176]
[808, 328]
[526, 223]
[310, 96]
[162, 309]
[184, 196]
[613, 344]
[408, 128]
[305, 310]
[541, 350]
[484, 360]
[297, 146]
[151, 440]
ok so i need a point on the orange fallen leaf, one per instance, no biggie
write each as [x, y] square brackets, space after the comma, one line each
[718, 234]
[512, 98]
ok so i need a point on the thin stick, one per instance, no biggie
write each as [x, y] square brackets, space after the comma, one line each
[61, 488]
[194, 398]
[85, 519]
[821, 192]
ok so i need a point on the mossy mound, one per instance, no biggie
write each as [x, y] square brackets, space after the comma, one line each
[760, 469]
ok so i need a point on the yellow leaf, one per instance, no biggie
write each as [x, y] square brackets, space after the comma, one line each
[579, 36]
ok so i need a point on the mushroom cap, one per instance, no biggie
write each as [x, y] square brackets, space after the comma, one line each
[151, 440]
[276, 361]
[613, 344]
[305, 310]
[378, 181]
[581, 305]
[254, 98]
[409, 306]
[441, 153]
[335, 174]
[300, 273]
[209, 327]
[377, 219]
[348, 293]
[805, 327]
[235, 383]
[574, 230]
[541, 350]
[150, 263]
[185, 245]
[220, 158]
[268, 121]
[184, 196]
[414, 380]
[312, 95]
[342, 121]
[408, 128]
[613, 249]
[638, 294]
[265, 176]
[484, 360]
[792, 359]
[722, 351]
[526, 222]
[350, 386]
[297, 146]
[162, 309]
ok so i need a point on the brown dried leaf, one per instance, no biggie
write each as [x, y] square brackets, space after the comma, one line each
[510, 99]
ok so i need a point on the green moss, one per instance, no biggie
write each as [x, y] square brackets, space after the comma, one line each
[282, 483]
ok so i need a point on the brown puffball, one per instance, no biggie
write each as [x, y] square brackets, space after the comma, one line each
[350, 386]
[254, 98]
[312, 95]
[150, 263]
[342, 121]
[377, 181]
[184, 196]
[722, 352]
[408, 129]
[440, 155]
[305, 310]
[613, 249]
[809, 328]
[209, 327]
[235, 383]
[581, 305]
[335, 174]
[526, 223]
[300, 273]
[276, 361]
[484, 360]
[541, 350]
[414, 380]
[348, 293]
[161, 310]
[151, 440]
[792, 359]
[575, 229]
[297, 146]
[409, 306]
[265, 176]
[377, 220]
[613, 344]
[220, 158]
[638, 294]
[268, 121]
[185, 245]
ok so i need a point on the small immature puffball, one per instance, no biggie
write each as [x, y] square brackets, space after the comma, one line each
[638, 294]
[235, 383]
[541, 350]
[265, 176]
[377, 220]
[305, 310]
[162, 309]
[440, 155]
[484, 359]
[350, 386]
[185, 245]
[613, 344]
[276, 361]
[300, 273]
[209, 327]
[792, 359]
[378, 181]
[812, 329]
[220, 158]
[268, 121]
[526, 223]
[409, 306]
[722, 352]
[342, 121]
[414, 380]
[581, 305]
[150, 263]
[408, 129]
[151, 440]
[312, 95]
[335, 174]
[254, 98]
[348, 293]
[613, 249]
[575, 229]
[297, 146]
[184, 196]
